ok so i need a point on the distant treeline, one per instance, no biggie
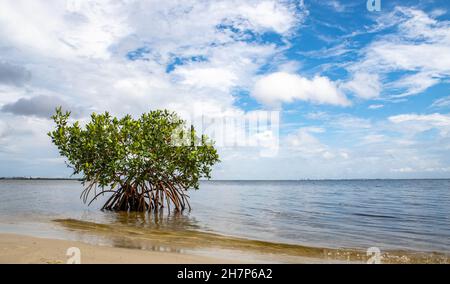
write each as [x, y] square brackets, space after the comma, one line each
[36, 178]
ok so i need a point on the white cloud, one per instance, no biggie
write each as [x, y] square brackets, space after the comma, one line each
[350, 122]
[419, 46]
[376, 106]
[403, 170]
[374, 138]
[415, 123]
[364, 85]
[218, 78]
[436, 119]
[345, 146]
[268, 14]
[438, 12]
[78, 54]
[336, 5]
[305, 143]
[441, 102]
[42, 26]
[282, 87]
[414, 84]
[356, 147]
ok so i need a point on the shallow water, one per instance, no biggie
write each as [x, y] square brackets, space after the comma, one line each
[402, 217]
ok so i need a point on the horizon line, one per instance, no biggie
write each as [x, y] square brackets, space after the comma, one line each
[244, 180]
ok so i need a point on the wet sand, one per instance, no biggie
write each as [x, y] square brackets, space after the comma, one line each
[232, 248]
[18, 249]
[104, 243]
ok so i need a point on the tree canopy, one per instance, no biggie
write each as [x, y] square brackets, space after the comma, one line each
[145, 163]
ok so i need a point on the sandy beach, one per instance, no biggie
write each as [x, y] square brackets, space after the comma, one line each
[18, 249]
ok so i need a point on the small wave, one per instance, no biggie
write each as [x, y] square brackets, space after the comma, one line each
[375, 216]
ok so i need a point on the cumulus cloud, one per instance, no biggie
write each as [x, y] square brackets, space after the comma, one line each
[188, 56]
[282, 87]
[39, 106]
[130, 57]
[267, 15]
[13, 74]
[91, 43]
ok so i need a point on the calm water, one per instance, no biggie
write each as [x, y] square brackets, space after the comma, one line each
[389, 214]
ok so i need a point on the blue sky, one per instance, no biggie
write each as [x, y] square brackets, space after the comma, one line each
[360, 94]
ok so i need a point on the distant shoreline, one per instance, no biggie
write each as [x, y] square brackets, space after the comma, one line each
[243, 180]
[38, 178]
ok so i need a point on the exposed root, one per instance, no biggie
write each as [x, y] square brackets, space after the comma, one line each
[141, 197]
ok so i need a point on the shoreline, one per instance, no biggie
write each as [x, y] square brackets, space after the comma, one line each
[105, 244]
[177, 247]
[238, 180]
[21, 249]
